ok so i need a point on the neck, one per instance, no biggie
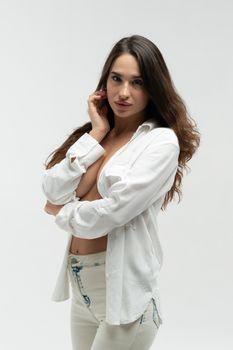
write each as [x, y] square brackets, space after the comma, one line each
[123, 126]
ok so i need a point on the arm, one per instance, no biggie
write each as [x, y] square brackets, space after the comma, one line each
[60, 181]
[151, 177]
[52, 209]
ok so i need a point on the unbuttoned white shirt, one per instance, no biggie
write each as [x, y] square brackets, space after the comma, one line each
[132, 184]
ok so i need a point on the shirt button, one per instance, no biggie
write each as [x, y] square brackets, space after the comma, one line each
[107, 275]
[129, 226]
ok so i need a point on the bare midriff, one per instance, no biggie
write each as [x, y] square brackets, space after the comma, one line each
[89, 246]
[87, 190]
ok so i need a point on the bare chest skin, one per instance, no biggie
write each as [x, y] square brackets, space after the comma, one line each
[87, 190]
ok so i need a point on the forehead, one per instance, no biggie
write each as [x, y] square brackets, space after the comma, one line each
[127, 65]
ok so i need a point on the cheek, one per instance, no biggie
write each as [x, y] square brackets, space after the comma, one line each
[110, 92]
[142, 99]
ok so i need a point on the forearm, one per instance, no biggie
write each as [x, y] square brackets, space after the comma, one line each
[52, 209]
[60, 181]
[98, 135]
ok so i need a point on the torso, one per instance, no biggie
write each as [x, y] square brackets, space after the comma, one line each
[87, 190]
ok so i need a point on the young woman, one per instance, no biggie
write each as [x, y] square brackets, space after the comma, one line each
[105, 186]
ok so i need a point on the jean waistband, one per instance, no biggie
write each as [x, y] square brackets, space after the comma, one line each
[87, 259]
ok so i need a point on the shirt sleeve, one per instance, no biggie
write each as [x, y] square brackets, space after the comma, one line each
[60, 181]
[151, 176]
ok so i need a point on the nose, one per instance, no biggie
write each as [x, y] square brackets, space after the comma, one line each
[124, 91]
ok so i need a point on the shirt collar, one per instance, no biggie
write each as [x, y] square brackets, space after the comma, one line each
[150, 123]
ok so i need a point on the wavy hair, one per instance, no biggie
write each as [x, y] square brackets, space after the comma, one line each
[164, 104]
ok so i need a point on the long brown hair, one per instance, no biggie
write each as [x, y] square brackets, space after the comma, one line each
[165, 105]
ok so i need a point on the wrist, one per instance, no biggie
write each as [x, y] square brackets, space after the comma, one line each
[98, 134]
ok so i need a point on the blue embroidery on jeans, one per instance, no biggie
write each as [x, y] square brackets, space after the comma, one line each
[155, 314]
[142, 318]
[156, 317]
[76, 270]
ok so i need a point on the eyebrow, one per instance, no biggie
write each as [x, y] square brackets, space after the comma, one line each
[120, 75]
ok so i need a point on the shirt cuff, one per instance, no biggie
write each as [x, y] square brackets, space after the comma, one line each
[86, 150]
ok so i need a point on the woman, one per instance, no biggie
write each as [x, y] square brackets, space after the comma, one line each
[105, 186]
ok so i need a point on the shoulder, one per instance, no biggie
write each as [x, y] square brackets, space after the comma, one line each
[164, 135]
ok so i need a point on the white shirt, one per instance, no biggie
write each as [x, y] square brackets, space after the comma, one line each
[132, 184]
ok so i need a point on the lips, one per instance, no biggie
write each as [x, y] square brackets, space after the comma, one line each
[123, 104]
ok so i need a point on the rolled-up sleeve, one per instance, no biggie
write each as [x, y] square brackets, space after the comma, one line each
[151, 176]
[60, 181]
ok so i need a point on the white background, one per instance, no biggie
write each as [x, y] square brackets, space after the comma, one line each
[52, 54]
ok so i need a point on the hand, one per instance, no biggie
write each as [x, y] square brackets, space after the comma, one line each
[98, 114]
[52, 209]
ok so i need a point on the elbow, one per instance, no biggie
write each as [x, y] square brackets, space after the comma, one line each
[52, 198]
[49, 189]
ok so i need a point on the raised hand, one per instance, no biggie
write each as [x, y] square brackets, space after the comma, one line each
[97, 111]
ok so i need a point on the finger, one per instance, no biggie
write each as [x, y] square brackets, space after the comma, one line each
[94, 100]
[94, 97]
[98, 94]
[102, 92]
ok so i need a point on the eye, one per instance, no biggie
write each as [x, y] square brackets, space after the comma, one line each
[138, 82]
[115, 76]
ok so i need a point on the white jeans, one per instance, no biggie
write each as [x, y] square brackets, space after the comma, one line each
[89, 331]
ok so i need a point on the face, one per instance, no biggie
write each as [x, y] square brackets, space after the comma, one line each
[125, 85]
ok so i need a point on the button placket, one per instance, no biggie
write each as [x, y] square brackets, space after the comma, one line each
[130, 225]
